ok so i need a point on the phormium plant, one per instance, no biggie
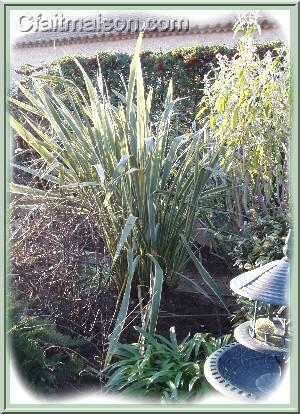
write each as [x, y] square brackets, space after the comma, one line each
[144, 184]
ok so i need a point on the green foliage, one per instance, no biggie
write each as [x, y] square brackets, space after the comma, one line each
[162, 368]
[186, 66]
[263, 241]
[246, 311]
[246, 103]
[144, 184]
[46, 358]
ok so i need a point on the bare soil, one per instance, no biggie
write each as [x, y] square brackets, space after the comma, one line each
[189, 311]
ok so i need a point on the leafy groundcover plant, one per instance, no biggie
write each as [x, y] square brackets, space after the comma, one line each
[49, 360]
[162, 368]
[144, 185]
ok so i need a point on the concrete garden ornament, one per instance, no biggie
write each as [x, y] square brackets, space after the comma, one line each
[251, 367]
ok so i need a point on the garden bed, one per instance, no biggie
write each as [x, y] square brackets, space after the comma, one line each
[109, 267]
[48, 257]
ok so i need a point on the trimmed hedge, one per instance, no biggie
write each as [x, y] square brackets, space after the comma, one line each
[187, 67]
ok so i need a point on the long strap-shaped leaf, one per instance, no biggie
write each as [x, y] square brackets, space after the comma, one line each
[114, 337]
[204, 274]
[36, 173]
[125, 233]
[196, 286]
[30, 139]
[155, 294]
[29, 191]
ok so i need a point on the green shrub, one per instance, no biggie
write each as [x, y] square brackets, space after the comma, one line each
[162, 368]
[263, 241]
[186, 66]
[246, 103]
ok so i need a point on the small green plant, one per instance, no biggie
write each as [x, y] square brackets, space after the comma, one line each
[162, 368]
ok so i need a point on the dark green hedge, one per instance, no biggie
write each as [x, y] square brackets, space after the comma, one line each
[187, 67]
